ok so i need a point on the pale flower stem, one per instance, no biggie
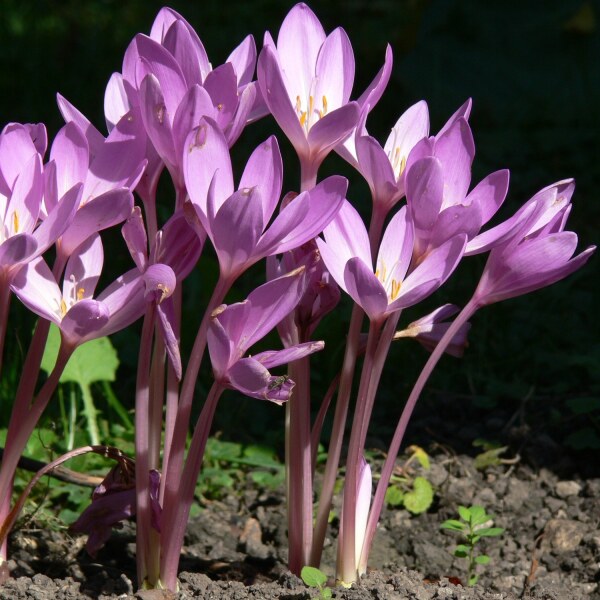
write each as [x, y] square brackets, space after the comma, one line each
[172, 543]
[4, 310]
[17, 437]
[157, 393]
[173, 471]
[337, 435]
[394, 448]
[346, 570]
[142, 461]
[315, 435]
[300, 467]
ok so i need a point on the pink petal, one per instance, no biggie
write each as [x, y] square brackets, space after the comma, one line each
[329, 131]
[84, 321]
[242, 115]
[221, 85]
[70, 153]
[206, 152]
[134, 233]
[104, 211]
[489, 194]
[25, 202]
[178, 41]
[455, 149]
[83, 270]
[371, 96]
[119, 99]
[252, 379]
[243, 59]
[15, 250]
[275, 358]
[273, 87]
[220, 347]
[334, 70]
[375, 167]
[305, 217]
[365, 289]
[298, 43]
[16, 150]
[396, 249]
[70, 113]
[264, 170]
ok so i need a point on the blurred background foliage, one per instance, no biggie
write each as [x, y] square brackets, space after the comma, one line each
[532, 71]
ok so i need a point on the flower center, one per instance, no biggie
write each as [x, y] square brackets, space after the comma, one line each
[309, 113]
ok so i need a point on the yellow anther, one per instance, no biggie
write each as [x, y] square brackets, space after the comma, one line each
[80, 293]
[298, 104]
[402, 165]
[164, 292]
[302, 118]
[15, 221]
[381, 274]
[311, 105]
[395, 288]
[324, 105]
[63, 307]
[220, 106]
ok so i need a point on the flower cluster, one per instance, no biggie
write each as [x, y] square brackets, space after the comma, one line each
[170, 108]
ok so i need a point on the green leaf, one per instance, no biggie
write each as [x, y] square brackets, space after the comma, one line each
[490, 532]
[421, 456]
[420, 498]
[266, 479]
[326, 593]
[394, 496]
[313, 577]
[454, 525]
[95, 360]
[490, 458]
[482, 559]
[465, 513]
[478, 515]
[461, 551]
[473, 579]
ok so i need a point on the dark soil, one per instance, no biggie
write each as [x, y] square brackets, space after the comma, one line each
[236, 547]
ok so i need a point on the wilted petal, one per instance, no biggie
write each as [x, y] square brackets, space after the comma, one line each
[166, 319]
[275, 358]
[253, 379]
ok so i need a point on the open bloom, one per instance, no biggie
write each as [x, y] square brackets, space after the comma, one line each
[437, 193]
[168, 75]
[221, 210]
[23, 237]
[73, 309]
[538, 254]
[306, 80]
[107, 173]
[235, 328]
[393, 285]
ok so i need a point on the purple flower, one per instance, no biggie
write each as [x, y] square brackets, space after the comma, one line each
[538, 253]
[22, 236]
[73, 309]
[168, 75]
[306, 80]
[220, 209]
[437, 187]
[235, 328]
[394, 284]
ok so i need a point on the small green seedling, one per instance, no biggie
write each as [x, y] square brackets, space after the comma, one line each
[313, 577]
[473, 525]
[414, 493]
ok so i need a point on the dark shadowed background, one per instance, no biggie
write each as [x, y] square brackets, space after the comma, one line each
[532, 71]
